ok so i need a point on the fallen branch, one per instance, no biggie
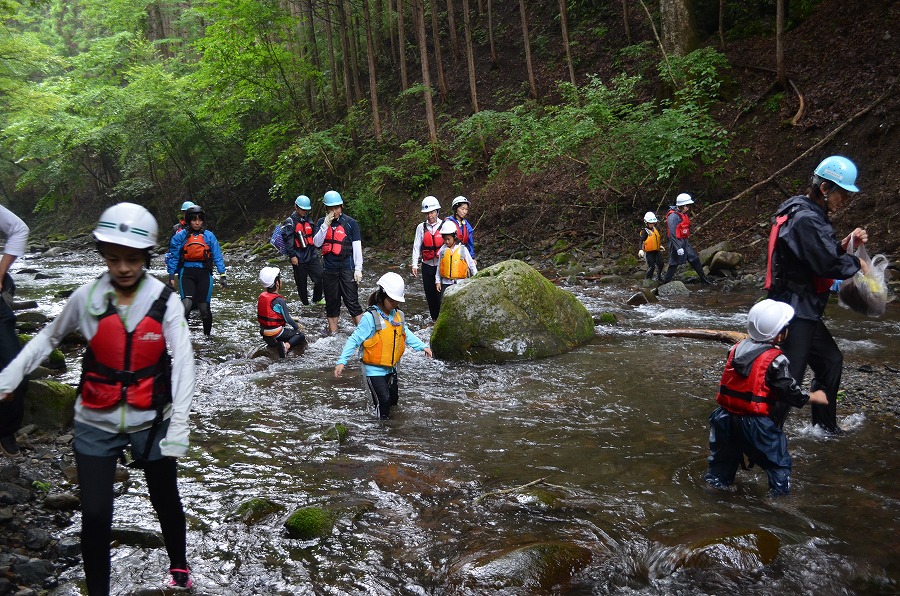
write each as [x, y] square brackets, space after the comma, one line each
[800, 157]
[802, 107]
[729, 337]
[509, 490]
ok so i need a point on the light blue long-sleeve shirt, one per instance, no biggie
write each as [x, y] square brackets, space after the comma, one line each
[364, 331]
[173, 257]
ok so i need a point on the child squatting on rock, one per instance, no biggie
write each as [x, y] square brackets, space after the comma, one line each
[382, 337]
[276, 326]
[756, 377]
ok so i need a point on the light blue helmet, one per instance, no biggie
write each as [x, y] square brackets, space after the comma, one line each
[186, 205]
[333, 198]
[839, 170]
[303, 202]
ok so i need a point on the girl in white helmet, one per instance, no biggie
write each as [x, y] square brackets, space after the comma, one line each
[277, 327]
[427, 243]
[454, 261]
[650, 246]
[380, 339]
[142, 400]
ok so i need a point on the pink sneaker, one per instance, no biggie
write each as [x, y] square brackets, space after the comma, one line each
[180, 578]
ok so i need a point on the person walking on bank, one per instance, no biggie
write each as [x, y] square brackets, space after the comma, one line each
[337, 234]
[804, 259]
[680, 249]
[182, 223]
[381, 340]
[650, 245]
[132, 392]
[466, 235]
[276, 326]
[192, 254]
[301, 251]
[12, 410]
[756, 377]
[426, 245]
[454, 261]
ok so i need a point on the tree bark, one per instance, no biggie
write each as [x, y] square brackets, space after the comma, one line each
[564, 23]
[470, 56]
[779, 44]
[401, 43]
[625, 17]
[451, 25]
[354, 50]
[426, 76]
[722, 23]
[438, 59]
[391, 11]
[331, 60]
[313, 49]
[525, 37]
[345, 55]
[490, 11]
[679, 32]
[373, 83]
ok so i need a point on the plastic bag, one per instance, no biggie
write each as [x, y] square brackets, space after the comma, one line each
[277, 240]
[865, 294]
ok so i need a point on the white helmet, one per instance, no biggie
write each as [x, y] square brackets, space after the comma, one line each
[393, 286]
[767, 318]
[650, 217]
[683, 199]
[458, 201]
[449, 227]
[430, 204]
[268, 275]
[127, 224]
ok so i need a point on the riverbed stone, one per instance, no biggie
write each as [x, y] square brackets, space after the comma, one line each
[541, 565]
[509, 312]
[725, 261]
[673, 288]
[34, 571]
[49, 404]
[741, 551]
[706, 255]
[308, 523]
[133, 536]
[336, 432]
[256, 509]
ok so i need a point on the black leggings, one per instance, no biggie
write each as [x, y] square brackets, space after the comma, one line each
[431, 294]
[384, 393]
[96, 476]
[196, 291]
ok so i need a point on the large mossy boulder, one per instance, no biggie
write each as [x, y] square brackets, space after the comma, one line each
[308, 523]
[49, 404]
[509, 312]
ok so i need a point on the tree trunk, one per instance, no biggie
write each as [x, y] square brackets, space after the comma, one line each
[470, 56]
[564, 23]
[722, 23]
[490, 11]
[480, 8]
[331, 59]
[438, 59]
[531, 82]
[625, 17]
[779, 44]
[373, 84]
[426, 76]
[679, 32]
[345, 55]
[354, 50]
[401, 42]
[313, 49]
[391, 11]
[451, 25]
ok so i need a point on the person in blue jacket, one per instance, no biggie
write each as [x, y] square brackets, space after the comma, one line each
[460, 209]
[301, 250]
[381, 338]
[193, 252]
[804, 259]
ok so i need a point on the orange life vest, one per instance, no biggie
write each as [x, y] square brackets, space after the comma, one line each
[389, 342]
[452, 265]
[431, 242]
[651, 242]
[747, 395]
[335, 239]
[683, 229]
[269, 319]
[195, 249]
[132, 366]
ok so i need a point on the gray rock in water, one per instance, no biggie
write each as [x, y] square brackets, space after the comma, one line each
[37, 538]
[509, 312]
[673, 288]
[726, 261]
[137, 537]
[542, 565]
[63, 501]
[34, 571]
[49, 404]
[706, 255]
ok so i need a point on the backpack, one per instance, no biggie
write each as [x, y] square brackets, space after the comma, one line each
[277, 240]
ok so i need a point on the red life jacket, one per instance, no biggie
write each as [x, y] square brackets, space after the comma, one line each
[821, 284]
[747, 395]
[683, 229]
[335, 239]
[267, 317]
[132, 366]
[431, 242]
[463, 230]
[303, 234]
[195, 248]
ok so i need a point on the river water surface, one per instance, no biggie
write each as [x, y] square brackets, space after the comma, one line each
[617, 430]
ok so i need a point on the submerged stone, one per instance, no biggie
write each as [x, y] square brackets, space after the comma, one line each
[256, 509]
[336, 432]
[542, 565]
[308, 523]
[740, 552]
[509, 312]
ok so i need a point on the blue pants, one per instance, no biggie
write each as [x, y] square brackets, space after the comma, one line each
[731, 436]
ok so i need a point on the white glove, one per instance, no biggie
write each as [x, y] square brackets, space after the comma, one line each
[680, 252]
[357, 276]
[329, 217]
[641, 254]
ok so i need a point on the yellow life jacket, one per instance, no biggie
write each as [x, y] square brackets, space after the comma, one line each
[651, 242]
[387, 345]
[452, 265]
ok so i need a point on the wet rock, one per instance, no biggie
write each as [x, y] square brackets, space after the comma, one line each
[13, 494]
[137, 537]
[37, 538]
[62, 501]
[740, 552]
[724, 261]
[308, 523]
[35, 571]
[509, 312]
[24, 305]
[31, 316]
[673, 288]
[606, 318]
[542, 565]
[254, 510]
[645, 296]
[706, 255]
[6, 586]
[49, 404]
[68, 546]
[337, 432]
[42, 275]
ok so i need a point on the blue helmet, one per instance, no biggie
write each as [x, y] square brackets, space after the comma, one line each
[186, 205]
[303, 202]
[839, 170]
[332, 198]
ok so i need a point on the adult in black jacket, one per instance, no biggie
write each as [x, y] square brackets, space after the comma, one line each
[805, 258]
[298, 234]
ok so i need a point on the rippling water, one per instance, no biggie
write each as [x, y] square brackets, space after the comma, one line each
[617, 430]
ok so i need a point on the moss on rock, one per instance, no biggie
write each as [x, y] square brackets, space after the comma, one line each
[308, 523]
[49, 404]
[336, 432]
[256, 509]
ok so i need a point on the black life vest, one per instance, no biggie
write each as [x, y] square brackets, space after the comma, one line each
[748, 395]
[134, 366]
[431, 242]
[267, 317]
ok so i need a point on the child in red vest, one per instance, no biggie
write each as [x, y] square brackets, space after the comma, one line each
[756, 377]
[276, 326]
